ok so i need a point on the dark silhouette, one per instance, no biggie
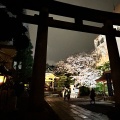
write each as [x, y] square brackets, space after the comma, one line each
[67, 92]
[92, 96]
[68, 95]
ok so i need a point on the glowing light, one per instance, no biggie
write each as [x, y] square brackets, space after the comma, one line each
[2, 79]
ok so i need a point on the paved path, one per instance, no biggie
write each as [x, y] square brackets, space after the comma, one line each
[100, 106]
[67, 111]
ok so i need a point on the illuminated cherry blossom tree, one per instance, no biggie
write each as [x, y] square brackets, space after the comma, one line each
[82, 67]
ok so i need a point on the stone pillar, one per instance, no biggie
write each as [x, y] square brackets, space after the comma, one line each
[39, 67]
[114, 60]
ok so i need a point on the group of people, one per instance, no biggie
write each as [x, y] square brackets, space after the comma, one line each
[66, 93]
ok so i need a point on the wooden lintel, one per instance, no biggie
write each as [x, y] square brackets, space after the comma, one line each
[29, 19]
[75, 27]
[83, 13]
[63, 24]
[64, 9]
[67, 25]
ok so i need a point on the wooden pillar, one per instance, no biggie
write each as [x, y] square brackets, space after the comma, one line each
[39, 67]
[114, 60]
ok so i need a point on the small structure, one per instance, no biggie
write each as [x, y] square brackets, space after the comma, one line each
[49, 80]
[74, 92]
[106, 79]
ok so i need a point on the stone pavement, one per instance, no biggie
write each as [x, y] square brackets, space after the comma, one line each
[55, 108]
[67, 111]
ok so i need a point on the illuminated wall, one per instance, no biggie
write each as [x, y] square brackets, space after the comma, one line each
[101, 46]
[101, 49]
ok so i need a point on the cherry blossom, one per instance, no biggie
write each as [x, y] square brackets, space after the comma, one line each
[82, 67]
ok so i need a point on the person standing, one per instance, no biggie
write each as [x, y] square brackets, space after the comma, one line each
[65, 93]
[92, 96]
[68, 94]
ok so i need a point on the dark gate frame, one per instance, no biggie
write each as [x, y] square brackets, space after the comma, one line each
[43, 21]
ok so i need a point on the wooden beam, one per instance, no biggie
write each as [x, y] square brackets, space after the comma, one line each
[64, 9]
[67, 25]
[78, 27]
[83, 13]
[75, 27]
[39, 66]
[114, 61]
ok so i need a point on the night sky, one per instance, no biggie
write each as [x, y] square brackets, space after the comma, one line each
[63, 43]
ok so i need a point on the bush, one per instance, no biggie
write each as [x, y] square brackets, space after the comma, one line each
[84, 91]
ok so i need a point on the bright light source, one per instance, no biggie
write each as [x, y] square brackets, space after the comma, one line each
[2, 79]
